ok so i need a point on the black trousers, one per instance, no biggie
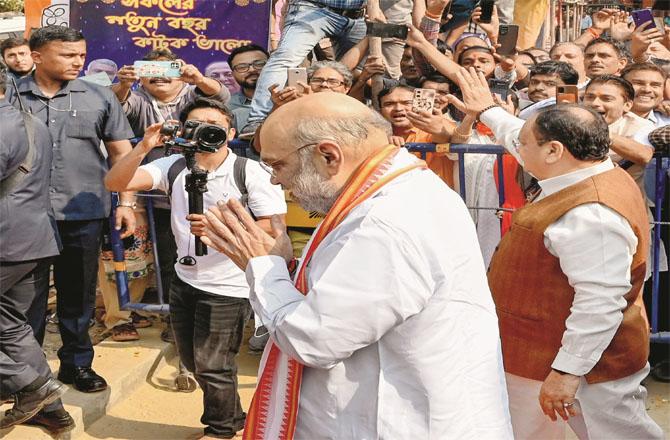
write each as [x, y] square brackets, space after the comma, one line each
[21, 357]
[208, 332]
[75, 276]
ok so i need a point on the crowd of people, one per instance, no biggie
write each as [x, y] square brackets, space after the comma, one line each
[397, 310]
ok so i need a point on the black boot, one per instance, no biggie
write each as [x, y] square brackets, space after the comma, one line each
[30, 400]
[56, 422]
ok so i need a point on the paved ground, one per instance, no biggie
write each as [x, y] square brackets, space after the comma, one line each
[155, 410]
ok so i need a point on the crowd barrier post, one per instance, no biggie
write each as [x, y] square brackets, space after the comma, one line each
[120, 274]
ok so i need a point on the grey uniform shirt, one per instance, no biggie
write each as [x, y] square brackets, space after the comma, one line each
[80, 117]
[27, 226]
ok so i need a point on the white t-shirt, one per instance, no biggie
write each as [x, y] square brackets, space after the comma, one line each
[215, 273]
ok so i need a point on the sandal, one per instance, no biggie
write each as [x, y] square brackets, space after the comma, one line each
[140, 321]
[125, 332]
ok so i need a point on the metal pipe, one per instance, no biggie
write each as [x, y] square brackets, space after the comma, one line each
[501, 185]
[120, 274]
[461, 175]
[154, 248]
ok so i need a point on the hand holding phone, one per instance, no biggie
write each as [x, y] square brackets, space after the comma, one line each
[296, 74]
[500, 88]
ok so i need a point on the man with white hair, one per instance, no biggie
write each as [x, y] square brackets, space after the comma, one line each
[388, 328]
[103, 65]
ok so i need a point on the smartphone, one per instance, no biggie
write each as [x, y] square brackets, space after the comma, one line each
[567, 95]
[642, 16]
[500, 88]
[424, 100]
[296, 74]
[487, 10]
[507, 37]
[158, 69]
[385, 30]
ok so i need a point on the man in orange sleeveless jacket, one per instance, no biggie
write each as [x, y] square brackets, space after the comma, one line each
[565, 280]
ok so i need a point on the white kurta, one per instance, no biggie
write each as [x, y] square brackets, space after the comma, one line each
[398, 333]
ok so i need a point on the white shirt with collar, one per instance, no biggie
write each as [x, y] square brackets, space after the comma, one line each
[215, 273]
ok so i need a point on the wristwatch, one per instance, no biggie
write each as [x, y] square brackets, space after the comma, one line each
[131, 205]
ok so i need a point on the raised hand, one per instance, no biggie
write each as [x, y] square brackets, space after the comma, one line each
[491, 29]
[476, 93]
[620, 28]
[641, 38]
[127, 75]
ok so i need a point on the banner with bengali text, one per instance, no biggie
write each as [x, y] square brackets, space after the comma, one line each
[201, 32]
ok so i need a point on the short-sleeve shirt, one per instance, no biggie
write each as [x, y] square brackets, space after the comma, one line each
[215, 273]
[81, 116]
[27, 227]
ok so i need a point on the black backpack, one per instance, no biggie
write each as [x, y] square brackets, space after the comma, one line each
[239, 174]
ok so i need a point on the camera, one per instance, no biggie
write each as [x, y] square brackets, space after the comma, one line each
[195, 137]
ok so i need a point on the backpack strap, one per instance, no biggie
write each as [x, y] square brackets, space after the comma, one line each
[177, 167]
[240, 175]
[10, 183]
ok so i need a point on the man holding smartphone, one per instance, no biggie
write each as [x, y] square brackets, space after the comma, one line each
[544, 80]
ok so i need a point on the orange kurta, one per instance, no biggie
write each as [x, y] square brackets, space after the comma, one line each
[439, 163]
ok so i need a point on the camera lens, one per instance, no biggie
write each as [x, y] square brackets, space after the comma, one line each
[212, 136]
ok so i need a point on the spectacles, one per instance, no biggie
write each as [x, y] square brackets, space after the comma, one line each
[269, 167]
[332, 82]
[244, 67]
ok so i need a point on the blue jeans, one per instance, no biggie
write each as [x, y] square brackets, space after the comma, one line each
[305, 24]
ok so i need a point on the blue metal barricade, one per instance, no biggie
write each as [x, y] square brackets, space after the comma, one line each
[240, 148]
[661, 177]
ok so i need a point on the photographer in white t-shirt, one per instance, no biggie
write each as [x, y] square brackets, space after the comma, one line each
[209, 299]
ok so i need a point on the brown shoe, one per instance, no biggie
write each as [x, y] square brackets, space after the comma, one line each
[125, 332]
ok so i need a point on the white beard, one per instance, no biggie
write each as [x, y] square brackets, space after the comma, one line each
[312, 190]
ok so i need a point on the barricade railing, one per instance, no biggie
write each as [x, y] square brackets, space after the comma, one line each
[240, 148]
